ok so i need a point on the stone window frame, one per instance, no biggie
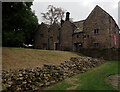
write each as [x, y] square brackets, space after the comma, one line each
[96, 45]
[96, 31]
[84, 36]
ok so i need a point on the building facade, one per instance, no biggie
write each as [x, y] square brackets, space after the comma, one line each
[41, 37]
[99, 30]
[119, 14]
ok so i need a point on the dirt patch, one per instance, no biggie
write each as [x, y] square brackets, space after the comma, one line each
[72, 82]
[114, 80]
[73, 87]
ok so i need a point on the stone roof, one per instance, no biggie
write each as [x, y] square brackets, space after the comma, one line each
[79, 26]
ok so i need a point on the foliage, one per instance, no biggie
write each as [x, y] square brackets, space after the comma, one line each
[53, 15]
[13, 38]
[19, 23]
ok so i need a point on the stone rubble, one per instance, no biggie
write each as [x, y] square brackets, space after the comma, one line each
[37, 78]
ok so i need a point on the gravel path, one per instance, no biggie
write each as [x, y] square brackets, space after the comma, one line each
[114, 80]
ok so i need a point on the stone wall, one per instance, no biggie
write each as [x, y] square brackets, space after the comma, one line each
[107, 27]
[39, 78]
[66, 38]
[54, 36]
[107, 54]
[113, 30]
[78, 38]
[98, 19]
[41, 37]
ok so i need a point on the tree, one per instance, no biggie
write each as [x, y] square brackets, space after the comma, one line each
[53, 15]
[19, 23]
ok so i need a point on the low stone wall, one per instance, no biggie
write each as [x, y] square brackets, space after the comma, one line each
[38, 78]
[107, 54]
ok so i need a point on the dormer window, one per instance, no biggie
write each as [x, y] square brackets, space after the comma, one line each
[96, 31]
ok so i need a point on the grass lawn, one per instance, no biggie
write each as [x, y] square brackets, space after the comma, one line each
[94, 79]
[91, 80]
[16, 58]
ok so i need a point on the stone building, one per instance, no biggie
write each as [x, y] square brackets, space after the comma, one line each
[102, 30]
[119, 14]
[54, 36]
[41, 37]
[98, 30]
[66, 36]
[78, 36]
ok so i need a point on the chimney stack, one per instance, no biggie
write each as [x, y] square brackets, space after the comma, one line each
[62, 21]
[67, 16]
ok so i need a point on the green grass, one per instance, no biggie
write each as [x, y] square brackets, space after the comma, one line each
[91, 80]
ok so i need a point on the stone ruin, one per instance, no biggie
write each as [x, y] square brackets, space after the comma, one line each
[38, 78]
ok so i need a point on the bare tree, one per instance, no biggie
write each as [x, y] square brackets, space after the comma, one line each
[53, 15]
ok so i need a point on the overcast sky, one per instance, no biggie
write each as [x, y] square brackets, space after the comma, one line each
[79, 9]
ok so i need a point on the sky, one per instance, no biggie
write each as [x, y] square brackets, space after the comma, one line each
[79, 9]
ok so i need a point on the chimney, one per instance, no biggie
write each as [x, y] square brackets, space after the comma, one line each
[67, 16]
[62, 21]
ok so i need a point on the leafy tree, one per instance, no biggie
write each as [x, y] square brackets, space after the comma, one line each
[19, 23]
[53, 15]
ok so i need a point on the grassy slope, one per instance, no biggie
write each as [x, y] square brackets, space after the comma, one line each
[91, 80]
[13, 58]
[94, 79]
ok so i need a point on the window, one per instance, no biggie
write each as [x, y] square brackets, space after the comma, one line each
[84, 37]
[77, 36]
[58, 28]
[41, 35]
[88, 36]
[96, 45]
[96, 31]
